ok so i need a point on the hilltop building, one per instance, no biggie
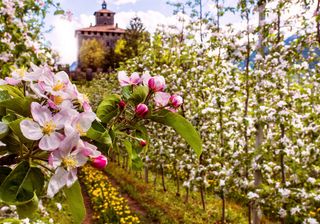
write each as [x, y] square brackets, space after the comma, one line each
[104, 30]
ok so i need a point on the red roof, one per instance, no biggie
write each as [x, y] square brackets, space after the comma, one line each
[103, 29]
[104, 11]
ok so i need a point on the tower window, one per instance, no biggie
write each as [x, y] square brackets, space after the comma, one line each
[101, 34]
[101, 14]
[109, 14]
[108, 44]
[89, 32]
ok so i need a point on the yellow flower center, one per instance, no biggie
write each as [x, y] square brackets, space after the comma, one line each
[48, 128]
[69, 162]
[57, 100]
[80, 130]
[58, 86]
[21, 72]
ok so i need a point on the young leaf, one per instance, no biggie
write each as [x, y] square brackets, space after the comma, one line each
[98, 133]
[75, 201]
[139, 94]
[59, 12]
[108, 108]
[182, 126]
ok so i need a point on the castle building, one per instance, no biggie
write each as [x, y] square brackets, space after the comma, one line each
[104, 30]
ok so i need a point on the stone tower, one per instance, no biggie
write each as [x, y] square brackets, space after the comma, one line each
[104, 30]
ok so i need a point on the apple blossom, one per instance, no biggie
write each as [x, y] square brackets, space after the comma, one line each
[100, 162]
[44, 127]
[66, 159]
[124, 80]
[141, 110]
[176, 100]
[161, 99]
[157, 83]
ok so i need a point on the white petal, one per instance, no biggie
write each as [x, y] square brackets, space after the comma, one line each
[57, 181]
[31, 130]
[50, 142]
[72, 177]
[40, 114]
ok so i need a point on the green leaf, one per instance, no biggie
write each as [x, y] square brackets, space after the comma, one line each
[12, 187]
[75, 202]
[15, 127]
[59, 12]
[22, 183]
[128, 147]
[126, 92]
[19, 105]
[4, 172]
[108, 108]
[139, 94]
[4, 95]
[12, 90]
[27, 209]
[98, 133]
[137, 164]
[182, 126]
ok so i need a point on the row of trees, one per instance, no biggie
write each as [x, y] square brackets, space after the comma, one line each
[253, 92]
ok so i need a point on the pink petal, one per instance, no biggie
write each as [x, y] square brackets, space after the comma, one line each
[162, 99]
[50, 142]
[40, 114]
[70, 141]
[145, 78]
[31, 130]
[123, 78]
[12, 81]
[135, 78]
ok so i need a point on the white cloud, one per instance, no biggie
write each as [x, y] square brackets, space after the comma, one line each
[62, 37]
[151, 19]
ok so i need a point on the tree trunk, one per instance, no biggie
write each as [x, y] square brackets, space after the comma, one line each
[146, 174]
[162, 178]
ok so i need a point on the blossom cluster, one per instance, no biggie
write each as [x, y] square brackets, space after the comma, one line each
[60, 117]
[108, 205]
[156, 85]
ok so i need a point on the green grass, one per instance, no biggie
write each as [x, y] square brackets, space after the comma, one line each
[166, 207]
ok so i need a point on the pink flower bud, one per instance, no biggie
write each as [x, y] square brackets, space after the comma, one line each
[157, 83]
[141, 110]
[122, 104]
[100, 162]
[143, 142]
[176, 100]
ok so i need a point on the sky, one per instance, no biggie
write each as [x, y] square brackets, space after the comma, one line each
[62, 38]
[151, 12]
